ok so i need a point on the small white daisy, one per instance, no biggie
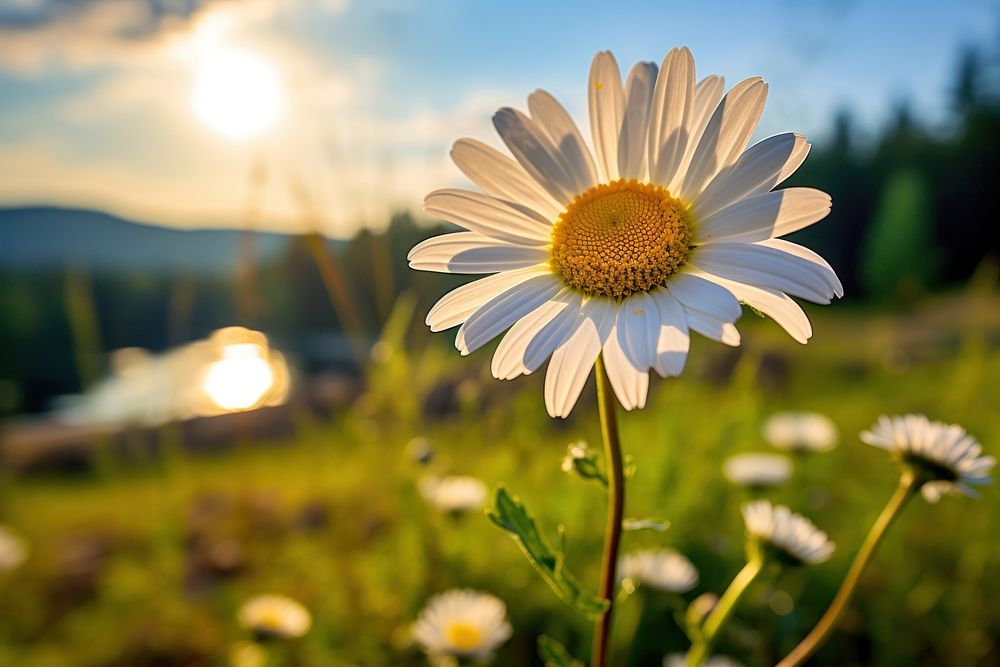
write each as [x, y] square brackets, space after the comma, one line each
[795, 538]
[681, 660]
[800, 431]
[457, 493]
[945, 458]
[275, 616]
[665, 570]
[13, 549]
[663, 225]
[757, 469]
[462, 623]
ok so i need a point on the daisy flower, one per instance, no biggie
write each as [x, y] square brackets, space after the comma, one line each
[13, 549]
[662, 226]
[663, 570]
[462, 623]
[453, 494]
[247, 654]
[757, 470]
[681, 660]
[794, 538]
[944, 457]
[275, 616]
[800, 431]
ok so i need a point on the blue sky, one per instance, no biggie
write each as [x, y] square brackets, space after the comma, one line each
[95, 101]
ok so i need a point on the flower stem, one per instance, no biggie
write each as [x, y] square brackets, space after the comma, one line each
[908, 485]
[607, 406]
[723, 610]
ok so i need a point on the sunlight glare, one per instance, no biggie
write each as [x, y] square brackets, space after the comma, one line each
[237, 93]
[241, 379]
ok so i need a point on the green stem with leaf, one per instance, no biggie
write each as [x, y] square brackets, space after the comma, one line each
[723, 610]
[607, 406]
[908, 485]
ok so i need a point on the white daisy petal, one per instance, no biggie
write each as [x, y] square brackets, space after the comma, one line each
[698, 293]
[673, 340]
[711, 326]
[808, 255]
[469, 252]
[457, 305]
[761, 266]
[776, 305]
[565, 136]
[488, 216]
[502, 177]
[606, 101]
[760, 169]
[726, 134]
[572, 361]
[628, 382]
[635, 121]
[503, 310]
[639, 328]
[707, 94]
[761, 217]
[673, 100]
[630, 350]
[548, 339]
[533, 338]
[533, 149]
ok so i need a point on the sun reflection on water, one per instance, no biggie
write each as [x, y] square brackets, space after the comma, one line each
[240, 379]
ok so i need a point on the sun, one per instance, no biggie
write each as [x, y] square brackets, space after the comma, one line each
[237, 93]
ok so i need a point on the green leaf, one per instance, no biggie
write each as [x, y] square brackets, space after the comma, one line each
[509, 513]
[555, 654]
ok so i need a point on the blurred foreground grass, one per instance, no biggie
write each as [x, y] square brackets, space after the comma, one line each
[149, 567]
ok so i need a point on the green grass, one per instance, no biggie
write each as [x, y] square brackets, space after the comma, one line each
[149, 568]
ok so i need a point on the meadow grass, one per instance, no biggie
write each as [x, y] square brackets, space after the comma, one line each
[150, 567]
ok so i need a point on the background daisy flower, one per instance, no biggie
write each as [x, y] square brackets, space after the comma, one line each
[662, 228]
[457, 493]
[462, 623]
[275, 616]
[800, 431]
[664, 569]
[792, 535]
[757, 469]
[13, 549]
[944, 457]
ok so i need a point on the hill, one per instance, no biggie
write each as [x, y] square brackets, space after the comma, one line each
[34, 238]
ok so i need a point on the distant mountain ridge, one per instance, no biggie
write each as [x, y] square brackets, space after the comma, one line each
[41, 237]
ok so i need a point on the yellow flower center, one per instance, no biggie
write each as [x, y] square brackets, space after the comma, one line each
[463, 637]
[620, 238]
[271, 619]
